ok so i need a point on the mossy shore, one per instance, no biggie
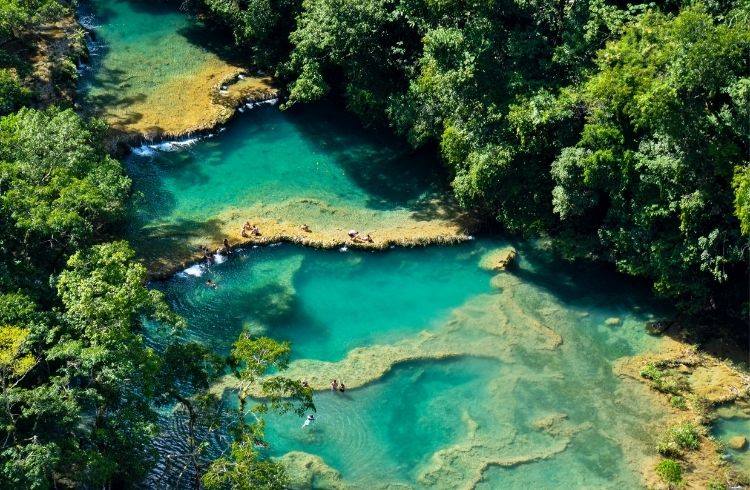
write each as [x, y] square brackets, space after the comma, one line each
[689, 385]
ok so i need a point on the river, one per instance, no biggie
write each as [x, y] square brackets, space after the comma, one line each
[459, 375]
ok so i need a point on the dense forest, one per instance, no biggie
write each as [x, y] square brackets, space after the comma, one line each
[80, 385]
[619, 131]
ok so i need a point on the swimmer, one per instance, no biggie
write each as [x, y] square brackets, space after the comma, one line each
[309, 420]
[342, 388]
[334, 385]
[211, 284]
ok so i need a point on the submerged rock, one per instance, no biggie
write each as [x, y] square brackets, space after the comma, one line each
[612, 321]
[737, 443]
[500, 259]
[658, 327]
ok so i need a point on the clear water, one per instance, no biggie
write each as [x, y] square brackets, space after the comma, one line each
[326, 302]
[731, 422]
[149, 64]
[396, 427]
[314, 165]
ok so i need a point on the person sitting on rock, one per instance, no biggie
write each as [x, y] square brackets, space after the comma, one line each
[306, 228]
[256, 231]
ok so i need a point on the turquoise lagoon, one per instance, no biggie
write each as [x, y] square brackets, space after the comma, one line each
[313, 165]
[523, 411]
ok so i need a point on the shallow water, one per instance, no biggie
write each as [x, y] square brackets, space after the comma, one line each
[316, 166]
[145, 59]
[732, 422]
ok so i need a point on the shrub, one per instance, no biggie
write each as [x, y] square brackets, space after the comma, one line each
[678, 401]
[666, 381]
[669, 470]
[678, 438]
[12, 94]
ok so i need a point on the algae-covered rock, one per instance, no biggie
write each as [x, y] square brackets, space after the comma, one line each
[612, 321]
[310, 471]
[658, 327]
[738, 443]
[500, 259]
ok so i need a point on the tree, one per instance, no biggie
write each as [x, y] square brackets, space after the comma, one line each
[252, 360]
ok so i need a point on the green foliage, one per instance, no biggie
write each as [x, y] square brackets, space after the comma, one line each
[741, 182]
[58, 189]
[678, 438]
[13, 95]
[651, 173]
[666, 380]
[670, 471]
[242, 469]
[678, 401]
[252, 361]
[19, 16]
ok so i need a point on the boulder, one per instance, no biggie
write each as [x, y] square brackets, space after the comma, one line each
[500, 259]
[737, 443]
[612, 321]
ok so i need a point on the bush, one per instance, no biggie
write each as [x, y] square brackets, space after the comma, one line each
[678, 401]
[12, 94]
[665, 381]
[678, 438]
[669, 470]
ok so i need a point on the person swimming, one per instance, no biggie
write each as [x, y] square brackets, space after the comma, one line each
[309, 420]
[342, 388]
[211, 284]
[334, 385]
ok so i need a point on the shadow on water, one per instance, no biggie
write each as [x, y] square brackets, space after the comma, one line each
[582, 283]
[393, 174]
[164, 244]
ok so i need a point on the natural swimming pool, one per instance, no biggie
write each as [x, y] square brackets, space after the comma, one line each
[458, 376]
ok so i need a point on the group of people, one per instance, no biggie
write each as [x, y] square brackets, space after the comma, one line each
[250, 230]
[356, 237]
[336, 386]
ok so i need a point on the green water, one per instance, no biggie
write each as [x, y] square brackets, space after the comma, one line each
[139, 46]
[315, 165]
[270, 157]
[733, 421]
[390, 430]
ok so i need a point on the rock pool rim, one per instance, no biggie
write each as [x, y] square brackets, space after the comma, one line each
[167, 272]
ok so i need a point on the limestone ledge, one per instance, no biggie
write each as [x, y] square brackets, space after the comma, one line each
[328, 228]
[186, 106]
[716, 382]
[465, 333]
